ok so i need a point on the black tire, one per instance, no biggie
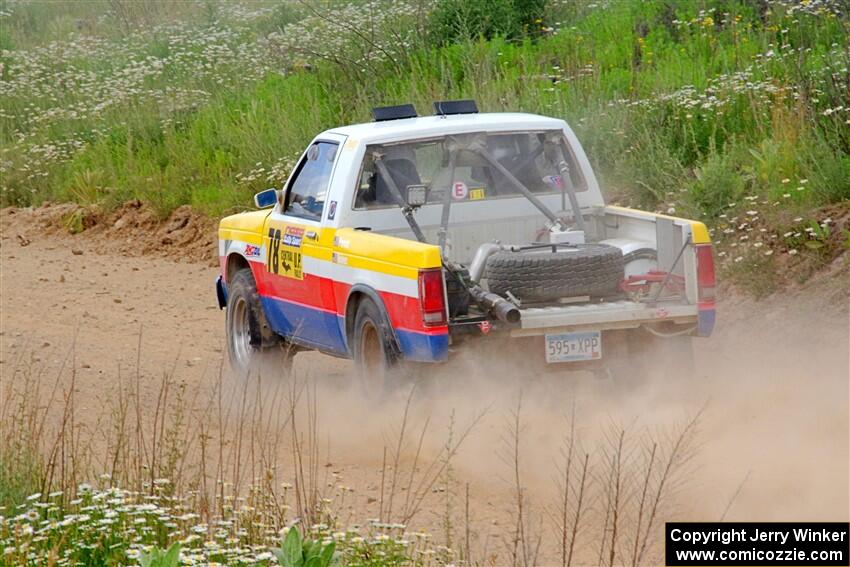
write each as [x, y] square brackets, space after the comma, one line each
[373, 350]
[251, 343]
[539, 274]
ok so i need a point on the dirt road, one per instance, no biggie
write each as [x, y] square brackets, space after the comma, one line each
[772, 384]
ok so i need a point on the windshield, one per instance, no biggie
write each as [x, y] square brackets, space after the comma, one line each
[468, 167]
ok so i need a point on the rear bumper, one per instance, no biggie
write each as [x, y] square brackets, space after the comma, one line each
[606, 316]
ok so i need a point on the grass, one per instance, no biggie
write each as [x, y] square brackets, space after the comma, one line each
[659, 92]
[682, 107]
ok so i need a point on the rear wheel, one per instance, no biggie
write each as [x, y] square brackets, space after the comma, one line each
[252, 346]
[373, 350]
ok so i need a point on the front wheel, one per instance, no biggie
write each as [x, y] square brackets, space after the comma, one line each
[252, 346]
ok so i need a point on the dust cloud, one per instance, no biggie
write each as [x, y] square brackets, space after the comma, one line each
[770, 397]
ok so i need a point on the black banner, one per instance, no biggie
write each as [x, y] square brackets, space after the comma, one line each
[693, 544]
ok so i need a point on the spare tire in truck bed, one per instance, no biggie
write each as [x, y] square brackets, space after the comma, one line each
[541, 274]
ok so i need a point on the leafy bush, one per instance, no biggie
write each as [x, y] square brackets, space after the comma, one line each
[296, 552]
[461, 20]
[21, 472]
[717, 185]
[159, 558]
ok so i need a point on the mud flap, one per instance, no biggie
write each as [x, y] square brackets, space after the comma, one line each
[221, 292]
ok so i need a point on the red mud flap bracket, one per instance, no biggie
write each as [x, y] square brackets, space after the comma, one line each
[641, 283]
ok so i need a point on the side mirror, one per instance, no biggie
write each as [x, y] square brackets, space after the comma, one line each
[266, 198]
[417, 195]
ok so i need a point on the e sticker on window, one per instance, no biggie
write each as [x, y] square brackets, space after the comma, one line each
[459, 190]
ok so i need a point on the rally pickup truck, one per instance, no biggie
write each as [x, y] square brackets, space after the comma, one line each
[409, 238]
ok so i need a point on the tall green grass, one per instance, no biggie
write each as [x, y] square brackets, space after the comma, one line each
[680, 105]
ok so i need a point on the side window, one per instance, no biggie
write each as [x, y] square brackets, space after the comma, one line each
[306, 193]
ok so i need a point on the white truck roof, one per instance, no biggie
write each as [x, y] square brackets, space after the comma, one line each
[427, 126]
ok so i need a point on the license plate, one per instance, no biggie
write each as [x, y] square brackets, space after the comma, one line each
[571, 347]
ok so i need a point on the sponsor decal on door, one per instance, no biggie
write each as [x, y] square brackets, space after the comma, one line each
[285, 253]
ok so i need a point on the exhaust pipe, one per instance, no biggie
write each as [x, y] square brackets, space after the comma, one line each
[501, 308]
[479, 261]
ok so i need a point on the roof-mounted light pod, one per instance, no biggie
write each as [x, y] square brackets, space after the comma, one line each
[399, 112]
[447, 107]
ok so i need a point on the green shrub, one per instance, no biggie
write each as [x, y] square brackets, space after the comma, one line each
[296, 552]
[648, 168]
[21, 473]
[281, 16]
[160, 558]
[718, 184]
[455, 21]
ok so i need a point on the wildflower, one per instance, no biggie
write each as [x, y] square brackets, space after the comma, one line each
[786, 180]
[792, 252]
[768, 252]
